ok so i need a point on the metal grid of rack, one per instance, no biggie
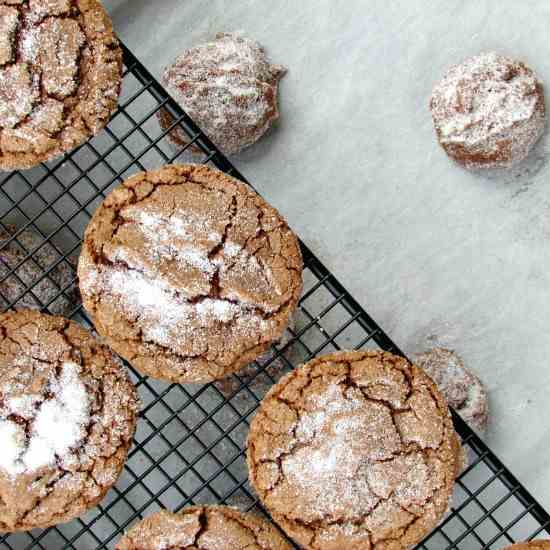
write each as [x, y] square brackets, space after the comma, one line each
[189, 446]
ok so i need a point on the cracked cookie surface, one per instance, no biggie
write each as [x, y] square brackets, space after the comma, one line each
[188, 274]
[488, 112]
[60, 77]
[228, 87]
[354, 450]
[203, 528]
[67, 419]
[533, 545]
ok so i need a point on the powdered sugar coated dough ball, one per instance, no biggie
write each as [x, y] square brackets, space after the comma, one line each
[488, 112]
[228, 87]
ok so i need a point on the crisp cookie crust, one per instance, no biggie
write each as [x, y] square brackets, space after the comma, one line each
[488, 112]
[67, 419]
[204, 527]
[228, 87]
[354, 450]
[14, 285]
[188, 274]
[60, 77]
[533, 545]
[462, 389]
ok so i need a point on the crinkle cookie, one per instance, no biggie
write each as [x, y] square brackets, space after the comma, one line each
[533, 545]
[354, 450]
[67, 419]
[188, 274]
[60, 77]
[204, 528]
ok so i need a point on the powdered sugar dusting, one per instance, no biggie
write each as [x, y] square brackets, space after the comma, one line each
[161, 229]
[55, 428]
[170, 306]
[342, 434]
[486, 104]
[170, 317]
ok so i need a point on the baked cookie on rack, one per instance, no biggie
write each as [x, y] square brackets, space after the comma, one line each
[60, 77]
[354, 450]
[67, 419]
[57, 287]
[205, 527]
[228, 87]
[533, 545]
[488, 112]
[188, 274]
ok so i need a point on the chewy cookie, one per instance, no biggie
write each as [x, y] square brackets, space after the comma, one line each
[204, 527]
[354, 450]
[60, 75]
[488, 112]
[188, 274]
[26, 276]
[67, 418]
[461, 388]
[228, 87]
[533, 545]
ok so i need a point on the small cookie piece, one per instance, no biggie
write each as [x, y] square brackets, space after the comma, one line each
[354, 450]
[228, 87]
[67, 419]
[463, 390]
[60, 77]
[204, 527]
[16, 281]
[533, 545]
[188, 274]
[488, 112]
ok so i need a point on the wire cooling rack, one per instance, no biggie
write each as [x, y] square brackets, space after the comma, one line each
[189, 446]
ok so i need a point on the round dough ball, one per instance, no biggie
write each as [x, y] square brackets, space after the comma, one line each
[228, 87]
[488, 112]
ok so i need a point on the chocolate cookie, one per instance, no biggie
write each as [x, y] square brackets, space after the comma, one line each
[228, 87]
[488, 112]
[67, 418]
[60, 76]
[188, 274]
[354, 450]
[16, 281]
[462, 389]
[204, 527]
[533, 545]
